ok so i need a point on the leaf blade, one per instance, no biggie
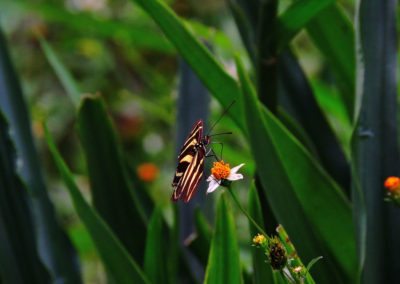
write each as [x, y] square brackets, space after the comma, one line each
[116, 259]
[113, 195]
[56, 252]
[288, 186]
[19, 258]
[223, 262]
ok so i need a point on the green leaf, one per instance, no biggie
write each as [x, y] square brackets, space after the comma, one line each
[296, 17]
[156, 257]
[333, 34]
[375, 149]
[223, 262]
[310, 116]
[267, 64]
[201, 243]
[303, 197]
[63, 74]
[210, 72]
[19, 259]
[245, 22]
[116, 259]
[56, 251]
[262, 270]
[112, 192]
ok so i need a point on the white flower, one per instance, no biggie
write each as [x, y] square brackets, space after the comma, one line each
[221, 172]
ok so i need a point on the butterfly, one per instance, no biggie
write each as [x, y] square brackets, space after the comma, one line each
[190, 164]
[191, 161]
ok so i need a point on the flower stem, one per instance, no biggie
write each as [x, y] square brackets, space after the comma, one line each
[234, 197]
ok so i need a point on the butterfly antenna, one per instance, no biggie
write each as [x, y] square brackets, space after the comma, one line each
[222, 133]
[222, 115]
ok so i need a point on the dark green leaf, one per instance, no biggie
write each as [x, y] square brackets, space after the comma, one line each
[112, 192]
[19, 259]
[223, 262]
[311, 117]
[56, 251]
[297, 130]
[296, 16]
[375, 141]
[116, 259]
[156, 258]
[266, 64]
[333, 34]
[303, 197]
[246, 24]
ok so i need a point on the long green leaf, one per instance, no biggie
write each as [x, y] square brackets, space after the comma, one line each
[333, 34]
[375, 149]
[63, 74]
[301, 194]
[56, 251]
[223, 262]
[220, 84]
[296, 17]
[116, 259]
[305, 107]
[19, 259]
[156, 259]
[267, 50]
[113, 196]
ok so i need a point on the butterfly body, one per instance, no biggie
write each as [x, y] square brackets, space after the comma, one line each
[190, 164]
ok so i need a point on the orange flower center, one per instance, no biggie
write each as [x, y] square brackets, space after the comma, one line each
[220, 170]
[147, 172]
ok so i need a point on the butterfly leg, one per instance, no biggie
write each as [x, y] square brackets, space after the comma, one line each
[208, 155]
[222, 149]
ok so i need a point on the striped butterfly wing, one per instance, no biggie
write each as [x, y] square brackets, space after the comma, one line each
[190, 165]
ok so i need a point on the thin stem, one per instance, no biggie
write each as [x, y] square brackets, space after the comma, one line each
[247, 214]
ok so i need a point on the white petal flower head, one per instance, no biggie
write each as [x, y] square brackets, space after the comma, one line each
[220, 173]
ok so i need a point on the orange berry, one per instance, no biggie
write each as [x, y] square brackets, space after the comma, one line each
[147, 172]
[392, 184]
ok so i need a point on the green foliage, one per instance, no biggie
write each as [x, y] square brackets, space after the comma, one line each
[223, 262]
[112, 193]
[333, 34]
[156, 257]
[56, 251]
[299, 187]
[291, 124]
[19, 259]
[116, 259]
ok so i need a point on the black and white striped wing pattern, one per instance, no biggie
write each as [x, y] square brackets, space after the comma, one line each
[190, 165]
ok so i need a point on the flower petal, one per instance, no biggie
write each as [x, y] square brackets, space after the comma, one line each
[235, 169]
[213, 185]
[235, 177]
[210, 178]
